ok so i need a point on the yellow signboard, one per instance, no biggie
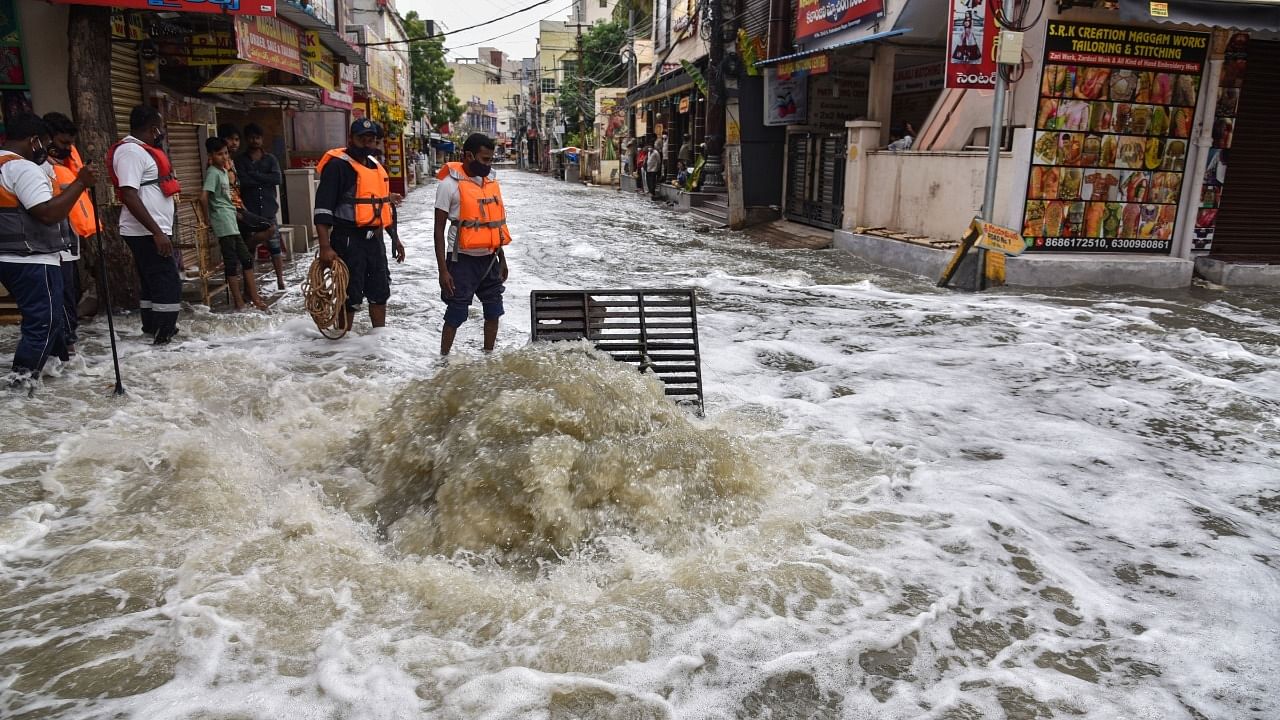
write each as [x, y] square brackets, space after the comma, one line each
[1000, 239]
[236, 78]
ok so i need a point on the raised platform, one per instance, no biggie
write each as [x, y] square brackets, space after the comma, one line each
[1033, 270]
[1237, 273]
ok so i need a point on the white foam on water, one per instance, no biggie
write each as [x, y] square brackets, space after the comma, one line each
[999, 505]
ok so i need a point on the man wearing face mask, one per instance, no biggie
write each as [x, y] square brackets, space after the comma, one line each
[145, 184]
[353, 208]
[32, 234]
[64, 164]
[469, 201]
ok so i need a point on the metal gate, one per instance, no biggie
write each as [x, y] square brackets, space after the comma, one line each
[126, 83]
[815, 179]
[1248, 223]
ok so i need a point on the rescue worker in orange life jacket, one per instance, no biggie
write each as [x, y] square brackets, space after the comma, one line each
[469, 201]
[353, 209]
[65, 163]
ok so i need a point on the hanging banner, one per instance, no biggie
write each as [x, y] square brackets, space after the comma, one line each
[819, 18]
[1113, 123]
[265, 8]
[269, 42]
[971, 57]
[1224, 125]
[786, 101]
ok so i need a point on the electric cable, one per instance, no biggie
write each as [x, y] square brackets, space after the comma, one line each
[455, 32]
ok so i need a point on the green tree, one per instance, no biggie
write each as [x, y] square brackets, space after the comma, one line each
[599, 65]
[430, 79]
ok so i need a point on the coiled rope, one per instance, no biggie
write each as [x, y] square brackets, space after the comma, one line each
[325, 292]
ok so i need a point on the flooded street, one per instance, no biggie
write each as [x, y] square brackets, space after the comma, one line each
[903, 502]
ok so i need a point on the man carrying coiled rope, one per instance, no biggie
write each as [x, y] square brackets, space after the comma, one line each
[469, 201]
[353, 208]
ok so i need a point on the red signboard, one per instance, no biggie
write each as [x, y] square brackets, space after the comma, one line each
[269, 42]
[231, 7]
[971, 57]
[818, 18]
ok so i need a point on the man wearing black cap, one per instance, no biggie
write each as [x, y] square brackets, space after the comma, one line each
[353, 208]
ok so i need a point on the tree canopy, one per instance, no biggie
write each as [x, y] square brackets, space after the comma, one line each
[600, 65]
[429, 77]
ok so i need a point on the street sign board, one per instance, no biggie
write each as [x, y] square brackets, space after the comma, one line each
[230, 7]
[1000, 239]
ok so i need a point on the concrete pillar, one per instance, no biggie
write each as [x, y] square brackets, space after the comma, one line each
[880, 90]
[864, 136]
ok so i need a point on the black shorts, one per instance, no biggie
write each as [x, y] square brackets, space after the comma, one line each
[473, 276]
[366, 259]
[235, 255]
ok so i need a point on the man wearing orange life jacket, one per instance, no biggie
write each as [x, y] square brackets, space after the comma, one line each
[32, 222]
[473, 264]
[353, 209]
[144, 181]
[65, 164]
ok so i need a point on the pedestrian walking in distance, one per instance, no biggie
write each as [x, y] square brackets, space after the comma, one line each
[471, 260]
[144, 181]
[33, 233]
[353, 208]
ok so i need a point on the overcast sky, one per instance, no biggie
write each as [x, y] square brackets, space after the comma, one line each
[462, 13]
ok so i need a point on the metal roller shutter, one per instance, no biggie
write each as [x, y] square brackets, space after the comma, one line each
[126, 83]
[1248, 224]
[184, 153]
[755, 18]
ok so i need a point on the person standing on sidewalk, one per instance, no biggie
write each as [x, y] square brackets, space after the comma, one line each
[146, 185]
[32, 234]
[220, 214]
[260, 178]
[353, 208]
[653, 169]
[65, 164]
[472, 262]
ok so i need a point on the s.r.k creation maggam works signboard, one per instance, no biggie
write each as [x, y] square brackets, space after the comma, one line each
[1113, 126]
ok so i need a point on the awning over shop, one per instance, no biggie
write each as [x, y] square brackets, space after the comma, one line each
[443, 145]
[328, 36]
[818, 51]
[674, 82]
[1257, 15]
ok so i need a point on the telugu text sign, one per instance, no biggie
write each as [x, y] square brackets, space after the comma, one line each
[269, 42]
[233, 7]
[971, 58]
[818, 18]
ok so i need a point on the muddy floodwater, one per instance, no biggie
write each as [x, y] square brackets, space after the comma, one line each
[902, 502]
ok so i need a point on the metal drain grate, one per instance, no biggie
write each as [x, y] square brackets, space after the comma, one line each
[653, 329]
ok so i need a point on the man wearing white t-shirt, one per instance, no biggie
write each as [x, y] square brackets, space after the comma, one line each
[32, 234]
[146, 222]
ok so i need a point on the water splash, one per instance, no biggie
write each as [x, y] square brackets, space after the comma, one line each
[539, 450]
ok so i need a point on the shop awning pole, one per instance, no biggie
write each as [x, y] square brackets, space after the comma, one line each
[995, 141]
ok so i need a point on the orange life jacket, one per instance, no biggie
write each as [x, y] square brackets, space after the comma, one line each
[165, 178]
[81, 216]
[20, 231]
[482, 221]
[368, 204]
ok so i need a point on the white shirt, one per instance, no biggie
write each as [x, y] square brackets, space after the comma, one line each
[32, 186]
[133, 166]
[449, 199]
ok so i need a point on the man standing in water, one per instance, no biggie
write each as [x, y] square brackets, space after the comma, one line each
[32, 234]
[144, 180]
[260, 177]
[473, 262]
[353, 207]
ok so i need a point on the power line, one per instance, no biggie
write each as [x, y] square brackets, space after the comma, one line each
[469, 27]
[496, 37]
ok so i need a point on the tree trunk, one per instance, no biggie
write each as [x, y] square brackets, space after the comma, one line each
[89, 85]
